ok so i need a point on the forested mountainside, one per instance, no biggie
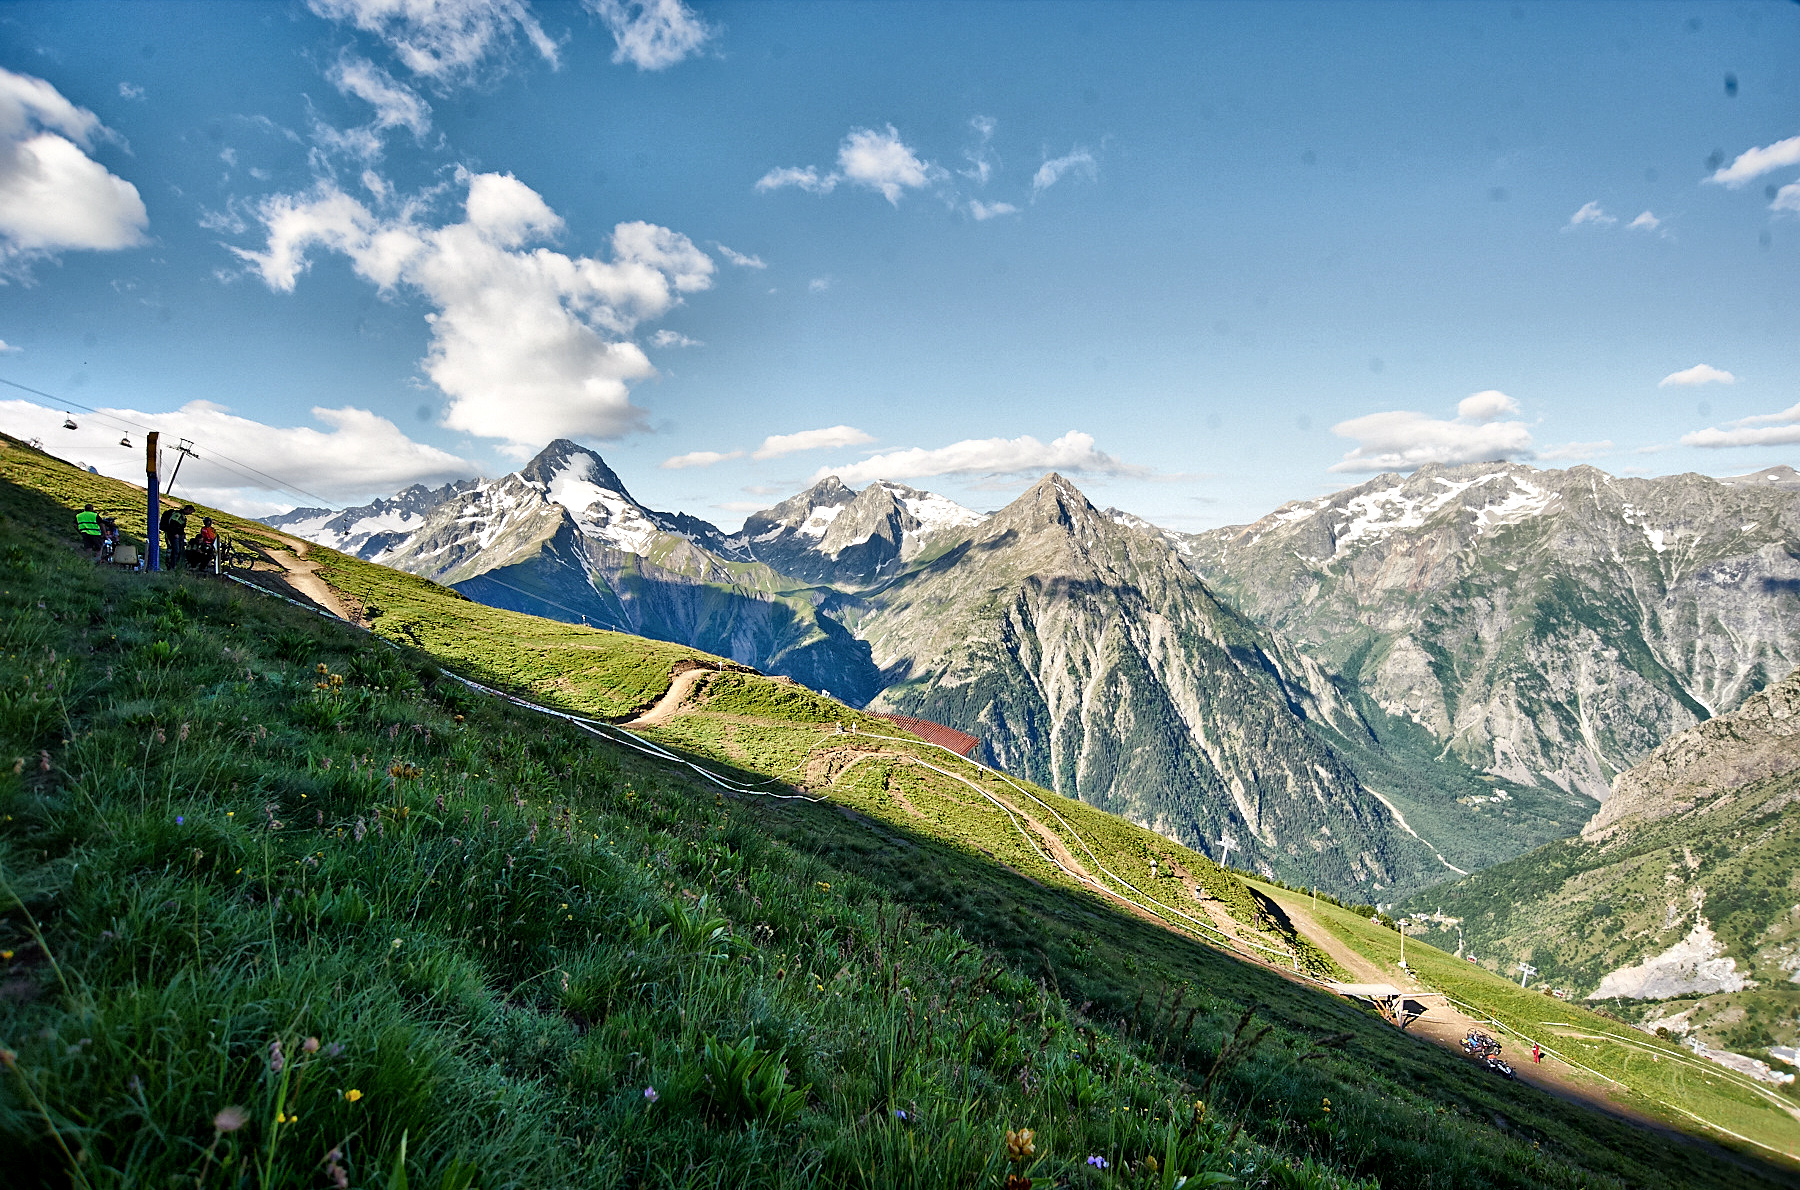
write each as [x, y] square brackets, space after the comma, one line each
[1545, 626]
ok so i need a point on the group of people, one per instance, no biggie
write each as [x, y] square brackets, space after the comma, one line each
[101, 535]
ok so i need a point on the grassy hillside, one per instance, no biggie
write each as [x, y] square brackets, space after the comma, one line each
[1641, 1072]
[504, 931]
[1577, 910]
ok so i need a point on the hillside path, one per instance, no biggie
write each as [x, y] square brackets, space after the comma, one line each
[302, 575]
[665, 707]
[1446, 1025]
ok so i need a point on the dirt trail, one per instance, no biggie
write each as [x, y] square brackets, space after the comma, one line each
[302, 575]
[665, 707]
[1446, 1025]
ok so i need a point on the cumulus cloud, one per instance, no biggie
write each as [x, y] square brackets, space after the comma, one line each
[53, 196]
[1402, 440]
[651, 34]
[1754, 163]
[442, 40]
[873, 158]
[1766, 429]
[1645, 222]
[1074, 452]
[1590, 215]
[742, 260]
[529, 344]
[395, 104]
[699, 458]
[669, 338]
[1578, 450]
[1787, 198]
[1077, 161]
[1698, 374]
[829, 438]
[357, 455]
[983, 211]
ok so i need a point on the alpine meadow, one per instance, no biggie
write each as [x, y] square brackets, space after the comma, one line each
[685, 594]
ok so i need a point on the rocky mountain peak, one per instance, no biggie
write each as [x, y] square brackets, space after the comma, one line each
[565, 458]
[1050, 502]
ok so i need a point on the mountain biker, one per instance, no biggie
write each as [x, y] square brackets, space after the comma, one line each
[109, 538]
[206, 542]
[174, 530]
[87, 523]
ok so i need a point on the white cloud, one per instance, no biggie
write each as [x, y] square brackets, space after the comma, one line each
[980, 158]
[53, 196]
[1787, 198]
[130, 91]
[876, 159]
[983, 211]
[1578, 450]
[1767, 429]
[6, 347]
[651, 34]
[1074, 451]
[699, 458]
[395, 104]
[1645, 222]
[1485, 406]
[529, 344]
[829, 438]
[882, 162]
[359, 454]
[1078, 161]
[1698, 374]
[742, 260]
[1402, 440]
[443, 40]
[808, 179]
[669, 338]
[818, 285]
[1590, 213]
[1754, 163]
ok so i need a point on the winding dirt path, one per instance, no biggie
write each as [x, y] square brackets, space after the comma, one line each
[680, 687]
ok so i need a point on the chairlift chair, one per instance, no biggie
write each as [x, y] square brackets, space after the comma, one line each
[125, 442]
[69, 423]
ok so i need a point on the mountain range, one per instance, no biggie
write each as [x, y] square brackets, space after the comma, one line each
[1405, 681]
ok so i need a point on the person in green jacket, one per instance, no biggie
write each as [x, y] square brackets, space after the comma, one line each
[173, 524]
[87, 523]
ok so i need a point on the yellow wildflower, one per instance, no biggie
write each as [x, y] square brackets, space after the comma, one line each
[1020, 1145]
[353, 1094]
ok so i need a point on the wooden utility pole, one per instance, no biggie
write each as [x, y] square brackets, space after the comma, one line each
[153, 554]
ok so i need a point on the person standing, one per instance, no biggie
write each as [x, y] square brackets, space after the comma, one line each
[174, 530]
[87, 523]
[1537, 1053]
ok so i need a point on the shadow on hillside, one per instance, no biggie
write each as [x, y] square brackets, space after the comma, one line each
[1124, 972]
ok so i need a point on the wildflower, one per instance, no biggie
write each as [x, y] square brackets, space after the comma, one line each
[396, 945]
[824, 886]
[135, 1085]
[7, 955]
[1098, 1162]
[230, 1119]
[340, 1177]
[44, 756]
[310, 1046]
[1020, 1145]
[179, 819]
[352, 1095]
[1016, 1181]
[7, 1057]
[1327, 1106]
[276, 1061]
[899, 1115]
[334, 1049]
[650, 1095]
[182, 735]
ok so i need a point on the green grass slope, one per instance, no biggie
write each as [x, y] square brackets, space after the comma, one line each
[503, 931]
[1660, 1079]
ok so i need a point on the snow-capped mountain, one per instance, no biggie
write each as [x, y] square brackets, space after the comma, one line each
[1550, 627]
[832, 534]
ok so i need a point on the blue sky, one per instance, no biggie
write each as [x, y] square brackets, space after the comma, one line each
[1204, 258]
